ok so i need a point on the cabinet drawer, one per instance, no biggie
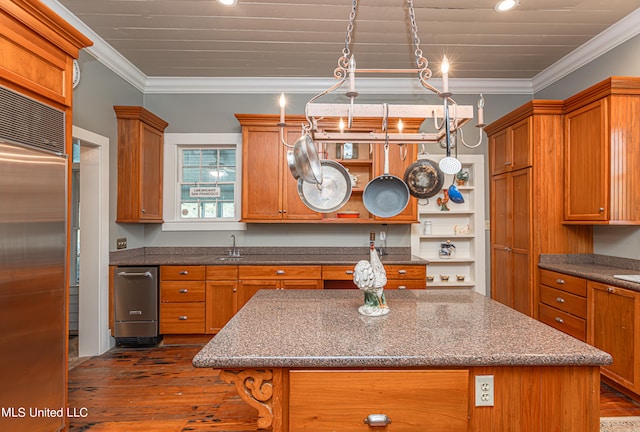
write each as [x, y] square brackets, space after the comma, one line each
[344, 272]
[182, 318]
[182, 291]
[405, 284]
[563, 321]
[564, 301]
[572, 284]
[222, 272]
[406, 272]
[182, 272]
[279, 272]
[436, 401]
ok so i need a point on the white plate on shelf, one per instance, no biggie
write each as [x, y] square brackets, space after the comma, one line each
[630, 278]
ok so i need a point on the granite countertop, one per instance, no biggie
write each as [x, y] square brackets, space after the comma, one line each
[257, 256]
[432, 328]
[599, 268]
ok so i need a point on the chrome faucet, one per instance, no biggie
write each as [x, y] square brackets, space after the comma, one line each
[234, 252]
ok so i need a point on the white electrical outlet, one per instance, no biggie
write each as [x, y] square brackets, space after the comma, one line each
[484, 390]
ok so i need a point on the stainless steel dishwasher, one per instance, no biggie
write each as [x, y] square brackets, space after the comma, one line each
[136, 305]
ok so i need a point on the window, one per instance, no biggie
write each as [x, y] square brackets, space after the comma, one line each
[202, 175]
[207, 182]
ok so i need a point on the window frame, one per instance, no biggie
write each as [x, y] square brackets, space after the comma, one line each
[173, 142]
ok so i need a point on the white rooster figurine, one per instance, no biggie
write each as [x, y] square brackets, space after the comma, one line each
[371, 278]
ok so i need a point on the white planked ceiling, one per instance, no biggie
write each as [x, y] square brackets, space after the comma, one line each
[304, 38]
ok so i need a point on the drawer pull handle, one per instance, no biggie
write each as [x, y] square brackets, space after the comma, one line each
[402, 287]
[559, 299]
[560, 320]
[182, 317]
[135, 312]
[610, 289]
[376, 420]
[280, 272]
[349, 272]
[184, 272]
[402, 272]
[183, 291]
[560, 281]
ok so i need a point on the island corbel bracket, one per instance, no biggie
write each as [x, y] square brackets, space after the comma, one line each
[255, 387]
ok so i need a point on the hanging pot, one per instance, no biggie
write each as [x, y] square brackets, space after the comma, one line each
[291, 160]
[329, 195]
[424, 178]
[386, 195]
[306, 160]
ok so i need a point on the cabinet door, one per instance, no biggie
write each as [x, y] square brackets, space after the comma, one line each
[587, 163]
[500, 239]
[261, 174]
[221, 304]
[613, 328]
[521, 148]
[499, 152]
[300, 284]
[400, 157]
[520, 244]
[247, 288]
[151, 162]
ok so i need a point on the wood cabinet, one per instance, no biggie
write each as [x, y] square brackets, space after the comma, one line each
[182, 299]
[433, 400]
[563, 303]
[221, 296]
[254, 278]
[602, 137]
[269, 191]
[398, 276]
[527, 201]
[140, 160]
[614, 327]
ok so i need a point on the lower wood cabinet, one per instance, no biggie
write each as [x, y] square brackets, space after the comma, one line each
[398, 276]
[563, 303]
[614, 327]
[429, 400]
[182, 299]
[221, 296]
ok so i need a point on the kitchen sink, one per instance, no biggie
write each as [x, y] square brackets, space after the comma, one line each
[229, 258]
[630, 278]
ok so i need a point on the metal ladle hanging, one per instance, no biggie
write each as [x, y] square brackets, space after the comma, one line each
[448, 164]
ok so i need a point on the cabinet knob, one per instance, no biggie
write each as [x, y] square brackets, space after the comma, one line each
[560, 281]
[560, 320]
[375, 420]
[284, 211]
[183, 291]
[182, 317]
[601, 209]
[184, 272]
[507, 163]
[279, 272]
[402, 272]
[507, 249]
[559, 299]
[143, 211]
[610, 289]
[235, 290]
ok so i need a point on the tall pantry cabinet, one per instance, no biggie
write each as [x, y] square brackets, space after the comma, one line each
[527, 202]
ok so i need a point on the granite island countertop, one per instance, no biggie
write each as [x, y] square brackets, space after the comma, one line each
[432, 328]
[599, 268]
[152, 256]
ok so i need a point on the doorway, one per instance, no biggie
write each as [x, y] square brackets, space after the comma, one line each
[93, 234]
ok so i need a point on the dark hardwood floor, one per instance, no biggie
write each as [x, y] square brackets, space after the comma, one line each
[158, 390]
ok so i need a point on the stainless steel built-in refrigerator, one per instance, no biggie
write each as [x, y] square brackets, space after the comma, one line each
[33, 238]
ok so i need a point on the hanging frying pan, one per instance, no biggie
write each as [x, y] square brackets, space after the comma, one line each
[332, 193]
[386, 195]
[306, 162]
[424, 178]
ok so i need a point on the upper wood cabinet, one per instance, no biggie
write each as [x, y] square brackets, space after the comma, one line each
[527, 201]
[140, 159]
[602, 138]
[270, 193]
[511, 148]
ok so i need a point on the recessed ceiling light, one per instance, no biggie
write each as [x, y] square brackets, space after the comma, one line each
[228, 2]
[505, 5]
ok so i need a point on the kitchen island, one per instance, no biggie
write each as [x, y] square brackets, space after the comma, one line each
[306, 360]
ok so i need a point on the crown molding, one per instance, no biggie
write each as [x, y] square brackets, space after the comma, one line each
[101, 50]
[610, 38]
[620, 32]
